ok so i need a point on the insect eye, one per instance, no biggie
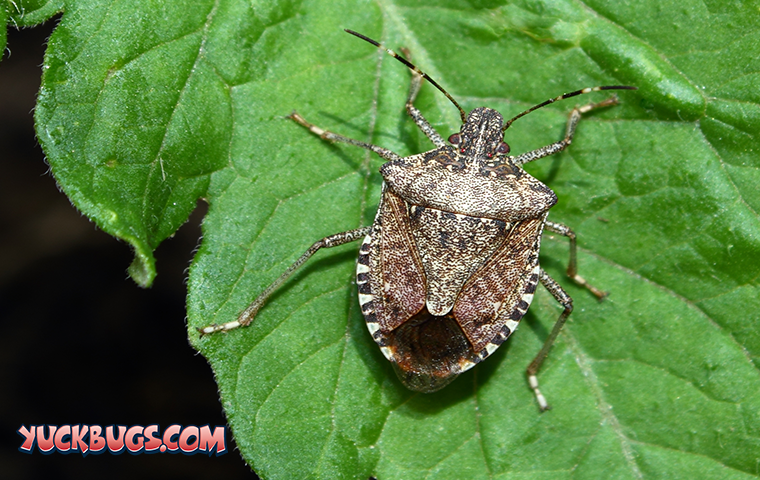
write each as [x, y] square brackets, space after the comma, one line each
[454, 139]
[502, 148]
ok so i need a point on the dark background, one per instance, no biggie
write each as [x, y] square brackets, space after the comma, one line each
[80, 343]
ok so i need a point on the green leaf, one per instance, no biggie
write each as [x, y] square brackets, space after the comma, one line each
[3, 32]
[134, 122]
[146, 106]
[27, 13]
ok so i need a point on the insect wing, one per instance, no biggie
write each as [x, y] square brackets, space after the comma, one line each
[395, 279]
[495, 298]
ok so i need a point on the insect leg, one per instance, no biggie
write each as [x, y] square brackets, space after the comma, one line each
[572, 268]
[564, 299]
[416, 115]
[334, 137]
[249, 313]
[572, 123]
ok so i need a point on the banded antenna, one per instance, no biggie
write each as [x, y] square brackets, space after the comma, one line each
[461, 111]
[567, 95]
[413, 67]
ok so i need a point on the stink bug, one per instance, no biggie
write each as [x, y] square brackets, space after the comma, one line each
[450, 264]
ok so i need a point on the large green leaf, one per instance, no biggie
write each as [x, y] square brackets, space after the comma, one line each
[147, 105]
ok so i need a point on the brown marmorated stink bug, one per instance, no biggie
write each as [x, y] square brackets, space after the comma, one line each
[450, 264]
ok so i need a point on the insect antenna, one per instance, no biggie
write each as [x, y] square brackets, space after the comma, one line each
[567, 95]
[413, 67]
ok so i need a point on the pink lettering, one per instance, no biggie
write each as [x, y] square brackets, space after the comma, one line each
[152, 443]
[134, 445]
[77, 438]
[117, 438]
[215, 441]
[171, 431]
[115, 444]
[28, 435]
[46, 444]
[64, 431]
[184, 439]
[97, 443]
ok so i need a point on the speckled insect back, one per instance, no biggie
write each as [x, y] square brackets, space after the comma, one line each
[450, 264]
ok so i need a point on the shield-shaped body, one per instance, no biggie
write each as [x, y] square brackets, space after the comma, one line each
[451, 263]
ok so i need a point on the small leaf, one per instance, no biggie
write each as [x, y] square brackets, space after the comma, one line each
[134, 120]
